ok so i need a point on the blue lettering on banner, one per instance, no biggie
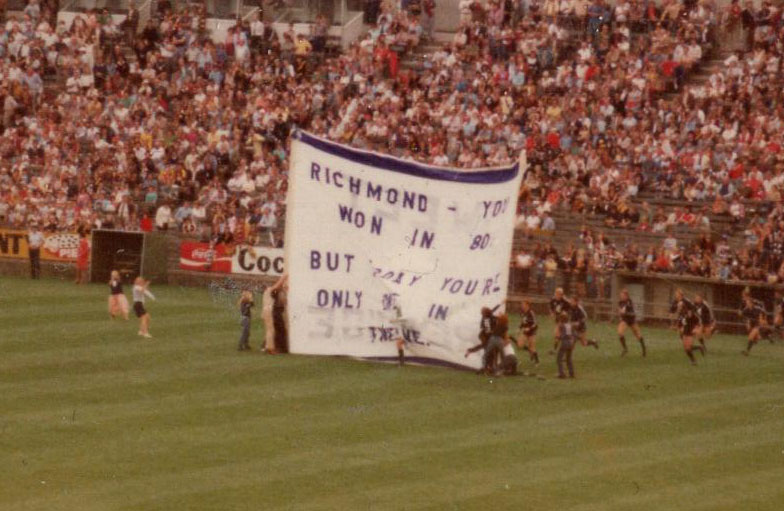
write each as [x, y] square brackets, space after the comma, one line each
[494, 208]
[358, 219]
[353, 184]
[438, 311]
[332, 261]
[425, 240]
[339, 299]
[480, 242]
[491, 285]
[396, 277]
[392, 196]
[455, 285]
[388, 301]
[391, 333]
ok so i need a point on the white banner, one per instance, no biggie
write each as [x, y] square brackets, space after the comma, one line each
[257, 261]
[366, 233]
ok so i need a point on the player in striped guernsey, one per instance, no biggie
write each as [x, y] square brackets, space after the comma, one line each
[763, 323]
[558, 305]
[526, 335]
[752, 315]
[628, 319]
[687, 324]
[707, 320]
[579, 318]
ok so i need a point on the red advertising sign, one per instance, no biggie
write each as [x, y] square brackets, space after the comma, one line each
[195, 256]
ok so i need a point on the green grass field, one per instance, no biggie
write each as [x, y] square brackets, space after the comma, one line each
[92, 417]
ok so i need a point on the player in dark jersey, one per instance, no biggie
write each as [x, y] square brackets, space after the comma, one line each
[495, 344]
[707, 321]
[526, 335]
[752, 315]
[687, 324]
[764, 325]
[558, 305]
[578, 318]
[628, 319]
[778, 320]
[486, 328]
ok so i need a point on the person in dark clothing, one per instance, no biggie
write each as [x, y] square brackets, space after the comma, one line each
[579, 318]
[558, 305]
[526, 336]
[246, 303]
[764, 323]
[279, 320]
[35, 240]
[565, 346]
[749, 24]
[688, 321]
[752, 314]
[495, 344]
[707, 320]
[486, 327]
[118, 304]
[628, 319]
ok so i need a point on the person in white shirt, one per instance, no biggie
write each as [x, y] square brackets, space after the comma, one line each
[163, 217]
[35, 240]
[140, 291]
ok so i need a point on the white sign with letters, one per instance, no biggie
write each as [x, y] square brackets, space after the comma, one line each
[258, 261]
[367, 234]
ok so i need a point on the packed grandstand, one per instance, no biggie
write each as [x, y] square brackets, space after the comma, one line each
[653, 131]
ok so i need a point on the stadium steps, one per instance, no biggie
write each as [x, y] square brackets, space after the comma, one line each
[716, 63]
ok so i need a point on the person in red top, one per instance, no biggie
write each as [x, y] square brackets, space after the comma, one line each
[145, 224]
[82, 258]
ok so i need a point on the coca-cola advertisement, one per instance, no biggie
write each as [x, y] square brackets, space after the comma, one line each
[207, 257]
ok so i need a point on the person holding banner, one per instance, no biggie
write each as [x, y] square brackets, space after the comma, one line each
[400, 342]
[273, 314]
[486, 327]
[495, 344]
[266, 318]
[35, 240]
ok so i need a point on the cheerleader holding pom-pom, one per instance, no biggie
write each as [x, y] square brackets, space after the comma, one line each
[118, 304]
[140, 291]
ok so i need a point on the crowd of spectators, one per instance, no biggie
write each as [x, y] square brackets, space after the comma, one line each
[115, 125]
